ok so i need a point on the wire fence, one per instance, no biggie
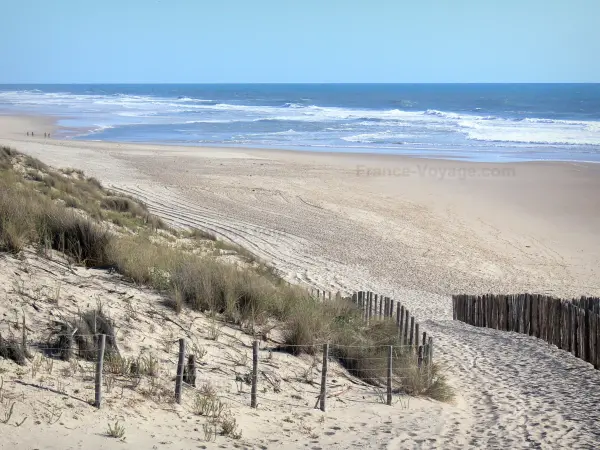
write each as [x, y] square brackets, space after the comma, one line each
[83, 370]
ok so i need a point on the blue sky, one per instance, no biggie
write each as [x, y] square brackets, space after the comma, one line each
[196, 41]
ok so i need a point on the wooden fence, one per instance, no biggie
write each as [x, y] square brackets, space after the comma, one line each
[376, 307]
[572, 325]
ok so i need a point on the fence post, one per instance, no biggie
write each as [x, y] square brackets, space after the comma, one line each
[454, 307]
[99, 369]
[417, 336]
[406, 314]
[389, 374]
[429, 359]
[180, 367]
[401, 324]
[324, 376]
[420, 357]
[254, 374]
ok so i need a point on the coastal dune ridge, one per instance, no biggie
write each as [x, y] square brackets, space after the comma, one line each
[419, 238]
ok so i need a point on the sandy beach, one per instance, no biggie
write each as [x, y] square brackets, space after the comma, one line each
[418, 230]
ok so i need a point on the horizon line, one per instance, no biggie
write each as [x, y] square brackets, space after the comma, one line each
[296, 83]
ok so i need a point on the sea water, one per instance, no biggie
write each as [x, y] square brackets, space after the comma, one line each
[482, 122]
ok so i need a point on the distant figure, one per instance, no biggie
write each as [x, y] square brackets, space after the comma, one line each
[28, 133]
[32, 133]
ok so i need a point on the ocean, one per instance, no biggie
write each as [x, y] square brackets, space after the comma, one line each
[479, 122]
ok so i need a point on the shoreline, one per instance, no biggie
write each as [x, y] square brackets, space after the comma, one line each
[50, 123]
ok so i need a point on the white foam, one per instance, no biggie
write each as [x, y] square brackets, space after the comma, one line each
[374, 138]
[386, 125]
[533, 131]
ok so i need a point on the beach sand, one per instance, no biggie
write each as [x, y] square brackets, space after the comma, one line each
[417, 230]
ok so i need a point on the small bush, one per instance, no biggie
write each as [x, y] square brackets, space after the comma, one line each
[196, 233]
[116, 430]
[13, 350]
[76, 236]
[82, 333]
[229, 427]
[35, 163]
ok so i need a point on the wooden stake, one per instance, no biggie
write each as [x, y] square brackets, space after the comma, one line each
[99, 369]
[416, 339]
[401, 325]
[324, 376]
[253, 402]
[180, 367]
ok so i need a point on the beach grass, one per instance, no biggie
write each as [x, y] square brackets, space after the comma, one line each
[67, 212]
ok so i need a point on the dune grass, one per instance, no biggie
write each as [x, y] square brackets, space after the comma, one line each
[67, 212]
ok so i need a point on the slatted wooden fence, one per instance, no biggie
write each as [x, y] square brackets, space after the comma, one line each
[377, 307]
[572, 325]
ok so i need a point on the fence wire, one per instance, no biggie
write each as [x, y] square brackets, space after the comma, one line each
[61, 376]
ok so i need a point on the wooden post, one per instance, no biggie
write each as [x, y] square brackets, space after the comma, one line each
[598, 341]
[406, 314]
[324, 376]
[99, 369]
[391, 308]
[253, 391]
[424, 338]
[430, 349]
[389, 374]
[573, 329]
[401, 324]
[454, 299]
[429, 359]
[370, 307]
[380, 307]
[411, 336]
[420, 357]
[592, 333]
[180, 367]
[417, 335]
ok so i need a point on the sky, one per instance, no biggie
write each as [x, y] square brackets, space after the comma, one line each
[299, 41]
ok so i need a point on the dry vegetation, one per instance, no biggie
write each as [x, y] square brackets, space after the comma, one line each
[66, 212]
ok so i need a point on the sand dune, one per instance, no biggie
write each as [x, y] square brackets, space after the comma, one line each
[409, 229]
